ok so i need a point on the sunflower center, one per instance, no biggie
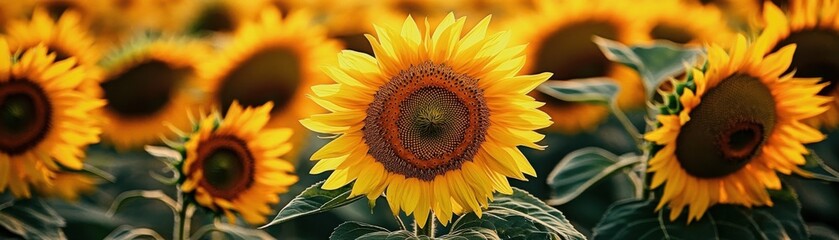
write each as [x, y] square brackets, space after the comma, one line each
[227, 165]
[672, 33]
[144, 89]
[570, 53]
[25, 113]
[273, 74]
[215, 18]
[356, 42]
[427, 120]
[727, 129]
[817, 55]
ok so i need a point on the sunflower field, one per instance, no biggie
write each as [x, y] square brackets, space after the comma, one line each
[419, 119]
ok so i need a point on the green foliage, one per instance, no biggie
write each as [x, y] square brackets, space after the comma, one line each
[30, 219]
[655, 62]
[816, 168]
[516, 216]
[581, 169]
[520, 216]
[592, 90]
[314, 200]
[637, 219]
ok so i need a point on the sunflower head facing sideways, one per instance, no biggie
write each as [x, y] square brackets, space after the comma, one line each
[729, 126]
[234, 165]
[560, 36]
[433, 121]
[272, 59]
[148, 82]
[814, 26]
[45, 122]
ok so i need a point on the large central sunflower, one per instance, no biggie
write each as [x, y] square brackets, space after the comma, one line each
[149, 82]
[434, 120]
[234, 165]
[733, 124]
[272, 59]
[45, 122]
[814, 27]
[561, 42]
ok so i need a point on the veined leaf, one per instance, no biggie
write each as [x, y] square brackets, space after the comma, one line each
[520, 216]
[31, 219]
[637, 219]
[314, 200]
[357, 230]
[655, 62]
[590, 90]
[581, 169]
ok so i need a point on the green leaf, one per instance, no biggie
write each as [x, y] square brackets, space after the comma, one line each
[655, 62]
[471, 234]
[314, 200]
[581, 169]
[357, 230]
[637, 219]
[816, 168]
[589, 90]
[520, 216]
[31, 219]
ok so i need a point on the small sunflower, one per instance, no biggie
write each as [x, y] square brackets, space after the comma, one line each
[44, 119]
[685, 23]
[730, 126]
[234, 165]
[434, 120]
[272, 60]
[148, 82]
[561, 34]
[814, 27]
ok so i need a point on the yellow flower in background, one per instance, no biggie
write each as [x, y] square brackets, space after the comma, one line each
[224, 15]
[685, 23]
[738, 125]
[814, 26]
[274, 60]
[149, 82]
[66, 37]
[233, 165]
[44, 119]
[433, 121]
[560, 37]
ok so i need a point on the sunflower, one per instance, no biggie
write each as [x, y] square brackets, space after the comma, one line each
[346, 21]
[66, 37]
[224, 15]
[730, 126]
[561, 42]
[434, 120]
[814, 27]
[272, 59]
[234, 165]
[685, 23]
[45, 119]
[148, 82]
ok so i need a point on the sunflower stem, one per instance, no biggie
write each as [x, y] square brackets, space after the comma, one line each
[428, 230]
[183, 217]
[627, 125]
